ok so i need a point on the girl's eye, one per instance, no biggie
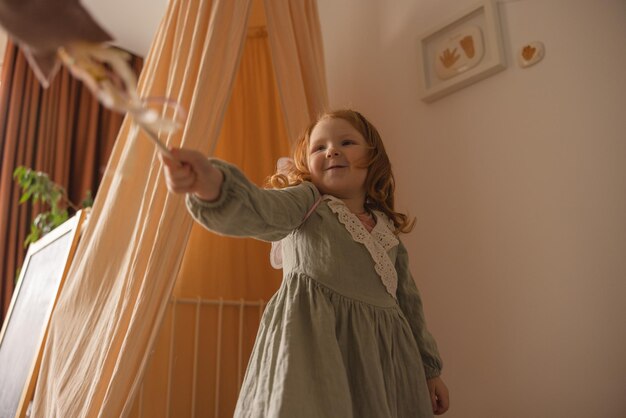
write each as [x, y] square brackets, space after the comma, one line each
[318, 148]
[347, 142]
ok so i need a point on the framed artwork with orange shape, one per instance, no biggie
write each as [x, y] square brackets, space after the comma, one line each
[462, 50]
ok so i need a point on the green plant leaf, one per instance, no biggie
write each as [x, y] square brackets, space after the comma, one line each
[87, 201]
[38, 187]
[33, 236]
[25, 197]
[17, 275]
[18, 173]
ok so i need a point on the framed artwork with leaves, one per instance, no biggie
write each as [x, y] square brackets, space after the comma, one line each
[460, 51]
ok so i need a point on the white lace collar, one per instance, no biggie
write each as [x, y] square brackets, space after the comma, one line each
[378, 242]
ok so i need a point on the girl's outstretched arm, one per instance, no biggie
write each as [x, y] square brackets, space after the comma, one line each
[192, 172]
[221, 198]
[439, 396]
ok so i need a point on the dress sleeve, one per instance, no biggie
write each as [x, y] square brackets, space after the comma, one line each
[410, 302]
[246, 210]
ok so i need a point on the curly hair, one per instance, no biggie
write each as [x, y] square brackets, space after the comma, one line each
[379, 183]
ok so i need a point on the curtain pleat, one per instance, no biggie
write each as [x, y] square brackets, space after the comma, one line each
[62, 131]
[253, 136]
[109, 312]
[140, 239]
[298, 57]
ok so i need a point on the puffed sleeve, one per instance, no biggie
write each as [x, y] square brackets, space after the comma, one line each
[410, 302]
[246, 210]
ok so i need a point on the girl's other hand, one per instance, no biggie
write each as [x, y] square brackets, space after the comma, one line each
[192, 172]
[439, 395]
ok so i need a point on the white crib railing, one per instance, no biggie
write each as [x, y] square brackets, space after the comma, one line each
[242, 309]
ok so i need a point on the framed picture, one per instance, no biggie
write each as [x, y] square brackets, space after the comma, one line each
[24, 330]
[460, 51]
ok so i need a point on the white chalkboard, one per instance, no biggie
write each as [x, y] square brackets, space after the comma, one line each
[43, 272]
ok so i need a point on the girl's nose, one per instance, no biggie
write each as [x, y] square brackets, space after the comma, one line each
[332, 152]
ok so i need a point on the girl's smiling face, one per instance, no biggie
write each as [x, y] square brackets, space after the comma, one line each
[337, 157]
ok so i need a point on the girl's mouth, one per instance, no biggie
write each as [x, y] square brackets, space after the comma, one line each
[332, 167]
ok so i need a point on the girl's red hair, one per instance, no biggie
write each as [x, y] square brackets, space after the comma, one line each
[379, 183]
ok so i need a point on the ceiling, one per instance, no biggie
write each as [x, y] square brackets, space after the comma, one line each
[131, 23]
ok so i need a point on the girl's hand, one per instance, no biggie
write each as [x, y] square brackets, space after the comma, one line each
[192, 172]
[439, 396]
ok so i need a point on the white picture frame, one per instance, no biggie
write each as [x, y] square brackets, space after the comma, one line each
[25, 327]
[463, 49]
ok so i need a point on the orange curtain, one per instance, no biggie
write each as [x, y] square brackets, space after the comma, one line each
[134, 252]
[62, 131]
[298, 56]
[253, 136]
[203, 349]
[116, 293]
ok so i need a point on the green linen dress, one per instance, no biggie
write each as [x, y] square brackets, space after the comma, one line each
[345, 335]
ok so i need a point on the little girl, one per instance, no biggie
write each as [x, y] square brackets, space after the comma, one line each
[345, 334]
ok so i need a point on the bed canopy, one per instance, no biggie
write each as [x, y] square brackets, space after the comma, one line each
[251, 76]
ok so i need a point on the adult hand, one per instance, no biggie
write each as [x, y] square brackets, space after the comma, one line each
[192, 172]
[439, 396]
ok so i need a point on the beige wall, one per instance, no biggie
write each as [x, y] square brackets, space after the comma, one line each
[519, 186]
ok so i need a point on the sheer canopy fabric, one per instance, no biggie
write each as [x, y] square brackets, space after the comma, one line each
[110, 311]
[202, 350]
[298, 56]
